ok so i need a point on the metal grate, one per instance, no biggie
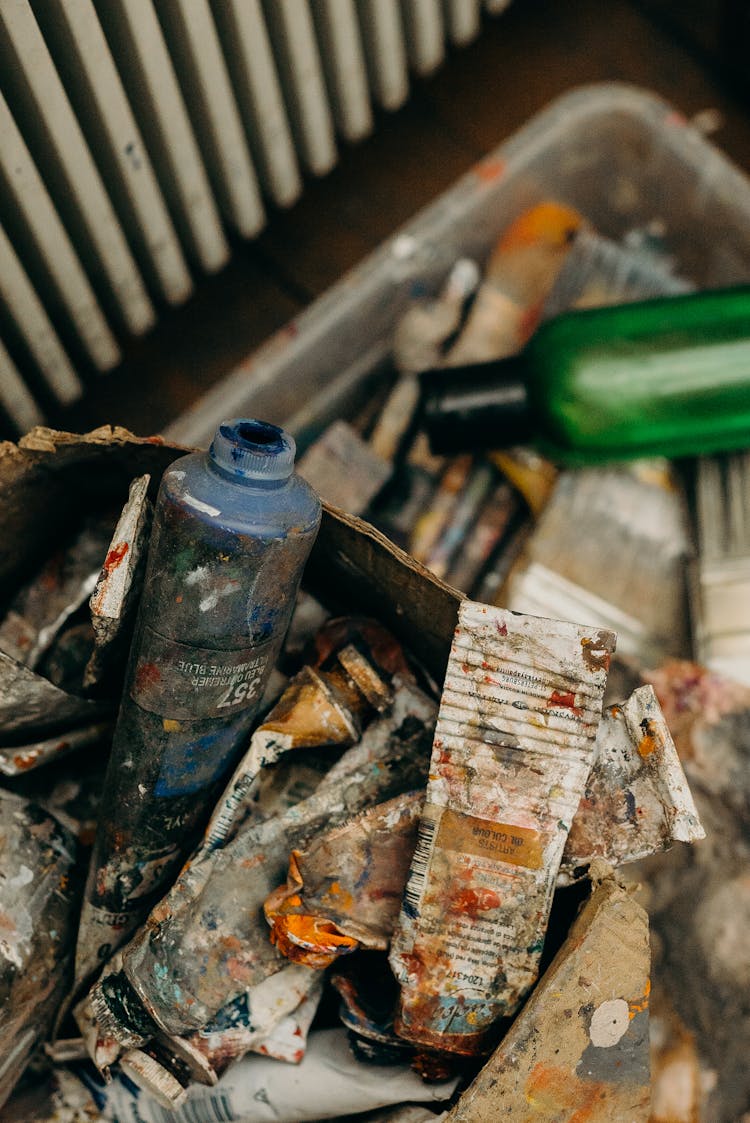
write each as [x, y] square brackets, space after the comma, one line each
[135, 134]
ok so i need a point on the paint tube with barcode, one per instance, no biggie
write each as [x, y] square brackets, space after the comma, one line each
[513, 747]
[343, 892]
[328, 1083]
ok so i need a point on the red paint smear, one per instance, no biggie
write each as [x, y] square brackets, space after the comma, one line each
[148, 674]
[567, 701]
[472, 901]
[675, 118]
[489, 170]
[155, 440]
[25, 760]
[502, 629]
[115, 556]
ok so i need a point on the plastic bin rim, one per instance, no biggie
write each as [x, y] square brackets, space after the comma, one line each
[195, 425]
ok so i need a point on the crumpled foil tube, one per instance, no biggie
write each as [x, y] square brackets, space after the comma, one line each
[344, 892]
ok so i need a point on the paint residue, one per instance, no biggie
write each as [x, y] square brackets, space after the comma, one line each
[566, 700]
[595, 653]
[116, 556]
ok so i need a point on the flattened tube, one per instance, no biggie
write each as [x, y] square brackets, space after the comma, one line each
[207, 941]
[513, 747]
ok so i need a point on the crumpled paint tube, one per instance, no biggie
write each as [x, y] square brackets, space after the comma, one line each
[329, 1082]
[165, 1067]
[344, 892]
[326, 703]
[513, 747]
[207, 941]
[272, 1019]
[114, 601]
[637, 800]
[340, 893]
[38, 893]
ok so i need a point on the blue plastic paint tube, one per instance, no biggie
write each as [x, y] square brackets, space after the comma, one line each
[232, 531]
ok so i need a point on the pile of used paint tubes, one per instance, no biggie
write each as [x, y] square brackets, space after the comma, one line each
[365, 911]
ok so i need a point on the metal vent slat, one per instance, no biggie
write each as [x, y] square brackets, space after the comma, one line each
[137, 135]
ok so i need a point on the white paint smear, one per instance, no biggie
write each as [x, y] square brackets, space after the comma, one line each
[609, 1023]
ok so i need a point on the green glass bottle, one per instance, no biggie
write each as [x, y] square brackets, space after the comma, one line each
[667, 377]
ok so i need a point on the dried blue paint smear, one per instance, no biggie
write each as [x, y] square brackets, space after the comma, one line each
[190, 766]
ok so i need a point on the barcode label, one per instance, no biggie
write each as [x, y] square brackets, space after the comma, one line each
[223, 820]
[420, 863]
[210, 1109]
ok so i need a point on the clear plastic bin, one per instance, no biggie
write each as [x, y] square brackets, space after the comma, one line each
[621, 155]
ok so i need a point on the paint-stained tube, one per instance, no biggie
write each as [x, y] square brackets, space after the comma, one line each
[579, 1049]
[32, 711]
[327, 703]
[18, 759]
[207, 941]
[232, 532]
[328, 1083]
[513, 747]
[344, 892]
[340, 893]
[272, 1019]
[38, 894]
[636, 801]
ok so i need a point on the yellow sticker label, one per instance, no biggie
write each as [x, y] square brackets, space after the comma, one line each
[504, 842]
